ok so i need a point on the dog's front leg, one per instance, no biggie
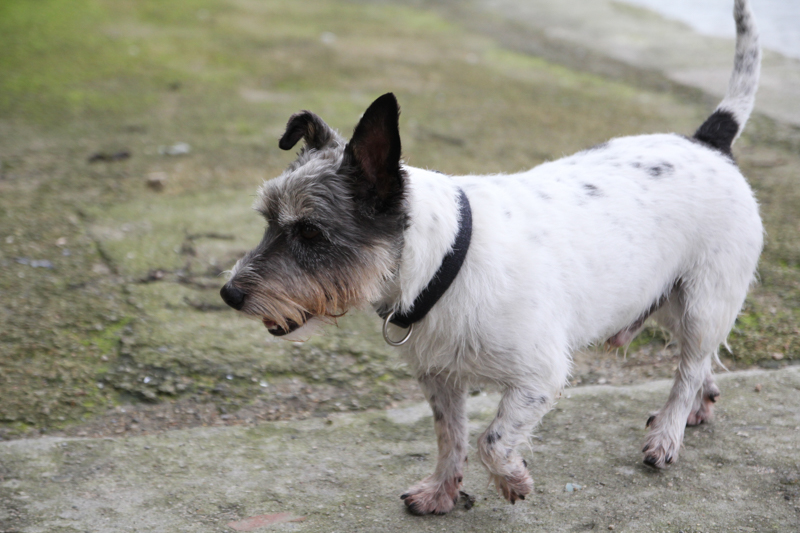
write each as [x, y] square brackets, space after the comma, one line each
[519, 412]
[438, 493]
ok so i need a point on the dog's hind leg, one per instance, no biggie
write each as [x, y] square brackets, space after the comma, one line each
[703, 408]
[439, 492]
[666, 427]
[519, 412]
[700, 319]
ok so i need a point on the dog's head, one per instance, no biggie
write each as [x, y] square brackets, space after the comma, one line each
[335, 221]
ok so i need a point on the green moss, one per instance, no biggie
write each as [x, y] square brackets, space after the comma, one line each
[107, 340]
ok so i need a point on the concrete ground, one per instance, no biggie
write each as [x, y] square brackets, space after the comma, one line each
[345, 472]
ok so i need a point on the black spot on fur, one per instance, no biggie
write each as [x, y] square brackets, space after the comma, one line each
[533, 399]
[661, 169]
[718, 131]
[592, 190]
[543, 196]
[492, 437]
[508, 214]
[636, 164]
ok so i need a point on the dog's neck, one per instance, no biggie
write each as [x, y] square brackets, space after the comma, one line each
[433, 209]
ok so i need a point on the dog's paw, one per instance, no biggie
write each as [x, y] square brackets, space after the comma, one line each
[703, 410]
[433, 496]
[514, 486]
[659, 449]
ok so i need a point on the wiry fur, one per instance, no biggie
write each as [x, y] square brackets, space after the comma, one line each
[571, 252]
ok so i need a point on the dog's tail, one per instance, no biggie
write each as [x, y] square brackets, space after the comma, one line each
[727, 122]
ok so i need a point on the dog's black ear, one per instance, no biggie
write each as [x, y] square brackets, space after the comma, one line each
[372, 157]
[308, 126]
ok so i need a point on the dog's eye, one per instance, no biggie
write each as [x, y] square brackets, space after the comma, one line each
[308, 232]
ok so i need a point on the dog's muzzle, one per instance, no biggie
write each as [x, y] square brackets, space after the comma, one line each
[236, 298]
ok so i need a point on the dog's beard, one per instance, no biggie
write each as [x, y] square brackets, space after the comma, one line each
[287, 307]
[282, 316]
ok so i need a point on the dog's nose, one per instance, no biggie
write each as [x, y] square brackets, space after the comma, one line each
[232, 296]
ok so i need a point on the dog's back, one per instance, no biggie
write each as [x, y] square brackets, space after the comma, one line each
[600, 237]
[578, 249]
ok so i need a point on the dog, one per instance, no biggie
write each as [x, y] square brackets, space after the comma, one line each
[499, 278]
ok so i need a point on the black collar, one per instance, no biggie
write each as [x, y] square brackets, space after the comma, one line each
[447, 272]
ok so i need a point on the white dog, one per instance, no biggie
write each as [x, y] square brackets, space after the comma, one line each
[499, 278]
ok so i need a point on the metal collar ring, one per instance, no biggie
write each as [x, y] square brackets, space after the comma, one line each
[386, 331]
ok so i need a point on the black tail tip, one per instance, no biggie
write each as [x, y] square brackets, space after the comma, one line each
[718, 131]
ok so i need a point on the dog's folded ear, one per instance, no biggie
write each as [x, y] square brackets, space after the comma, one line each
[308, 126]
[372, 157]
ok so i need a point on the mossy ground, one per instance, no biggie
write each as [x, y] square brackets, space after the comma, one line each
[129, 311]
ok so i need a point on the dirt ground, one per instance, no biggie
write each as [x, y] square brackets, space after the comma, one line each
[133, 135]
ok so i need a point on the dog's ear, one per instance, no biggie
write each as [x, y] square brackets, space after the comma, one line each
[372, 157]
[308, 126]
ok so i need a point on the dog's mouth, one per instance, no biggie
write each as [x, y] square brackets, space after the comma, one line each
[275, 329]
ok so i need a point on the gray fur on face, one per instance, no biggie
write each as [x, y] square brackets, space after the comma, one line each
[325, 248]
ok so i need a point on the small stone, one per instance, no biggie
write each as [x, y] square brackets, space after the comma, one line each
[758, 387]
[100, 268]
[777, 356]
[156, 180]
[109, 157]
[602, 381]
[328, 38]
[175, 149]
[611, 527]
[35, 263]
